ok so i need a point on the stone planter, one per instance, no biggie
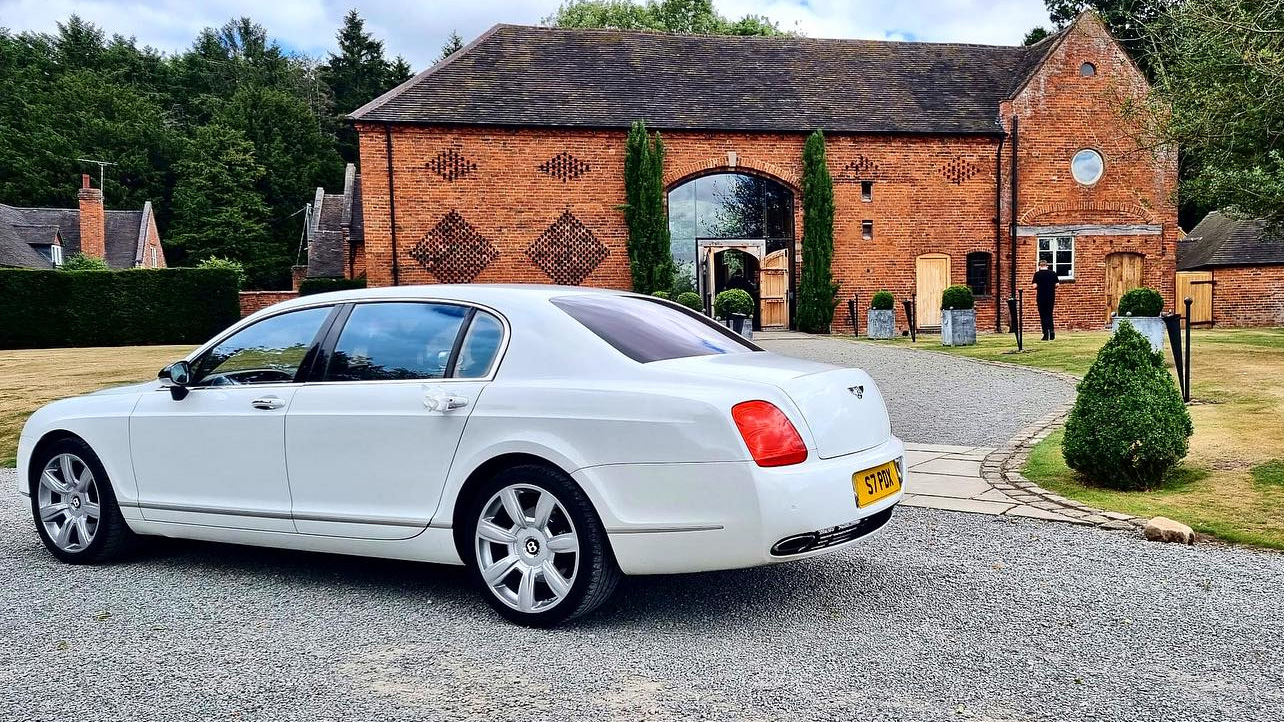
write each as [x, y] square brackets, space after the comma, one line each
[1152, 327]
[958, 328]
[880, 323]
[741, 324]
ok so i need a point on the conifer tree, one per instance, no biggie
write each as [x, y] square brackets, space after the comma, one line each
[817, 292]
[650, 260]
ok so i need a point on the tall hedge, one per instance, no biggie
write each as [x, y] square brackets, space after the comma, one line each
[650, 258]
[817, 292]
[52, 309]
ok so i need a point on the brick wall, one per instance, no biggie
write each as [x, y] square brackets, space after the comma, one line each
[502, 188]
[252, 301]
[1248, 296]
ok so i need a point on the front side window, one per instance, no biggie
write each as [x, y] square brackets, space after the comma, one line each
[269, 352]
[646, 329]
[1058, 251]
[396, 342]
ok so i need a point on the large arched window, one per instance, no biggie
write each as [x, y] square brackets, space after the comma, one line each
[726, 206]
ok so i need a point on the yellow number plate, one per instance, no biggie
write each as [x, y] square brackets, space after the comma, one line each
[876, 483]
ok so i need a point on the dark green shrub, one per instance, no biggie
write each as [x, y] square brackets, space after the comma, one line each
[661, 294]
[691, 300]
[958, 297]
[309, 286]
[1129, 427]
[732, 300]
[817, 292]
[1141, 302]
[81, 262]
[51, 309]
[883, 301]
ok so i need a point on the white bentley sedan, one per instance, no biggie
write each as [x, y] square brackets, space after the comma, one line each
[549, 438]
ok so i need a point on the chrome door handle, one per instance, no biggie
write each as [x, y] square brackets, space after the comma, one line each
[267, 403]
[454, 402]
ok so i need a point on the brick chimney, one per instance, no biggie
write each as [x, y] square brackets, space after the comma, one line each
[93, 232]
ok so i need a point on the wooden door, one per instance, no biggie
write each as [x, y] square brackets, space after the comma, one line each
[932, 274]
[773, 290]
[1124, 272]
[1198, 286]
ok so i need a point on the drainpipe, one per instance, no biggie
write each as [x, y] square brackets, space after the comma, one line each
[392, 204]
[1012, 260]
[997, 288]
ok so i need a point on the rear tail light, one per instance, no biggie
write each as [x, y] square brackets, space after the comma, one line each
[771, 438]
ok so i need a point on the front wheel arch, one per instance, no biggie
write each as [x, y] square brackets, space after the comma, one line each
[49, 439]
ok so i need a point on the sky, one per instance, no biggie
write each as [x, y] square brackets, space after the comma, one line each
[418, 29]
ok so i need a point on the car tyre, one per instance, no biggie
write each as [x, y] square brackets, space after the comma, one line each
[74, 507]
[553, 564]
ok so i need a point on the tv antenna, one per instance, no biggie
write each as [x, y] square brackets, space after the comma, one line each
[102, 166]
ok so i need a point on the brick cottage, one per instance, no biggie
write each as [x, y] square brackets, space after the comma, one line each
[952, 164]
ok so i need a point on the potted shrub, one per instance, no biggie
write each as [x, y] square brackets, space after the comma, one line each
[958, 316]
[691, 300]
[880, 322]
[1140, 308]
[1129, 428]
[735, 306]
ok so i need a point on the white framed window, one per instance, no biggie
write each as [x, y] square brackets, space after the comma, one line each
[1058, 251]
[55, 255]
[155, 264]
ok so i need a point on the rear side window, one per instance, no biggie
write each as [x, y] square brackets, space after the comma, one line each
[647, 330]
[396, 341]
[481, 344]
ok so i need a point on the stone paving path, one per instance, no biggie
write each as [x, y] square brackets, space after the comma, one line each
[1006, 407]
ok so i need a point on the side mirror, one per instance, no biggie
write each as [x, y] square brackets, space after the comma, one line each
[179, 376]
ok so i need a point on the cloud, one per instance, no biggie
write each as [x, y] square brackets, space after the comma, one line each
[417, 30]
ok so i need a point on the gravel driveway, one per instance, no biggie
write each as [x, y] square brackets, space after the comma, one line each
[942, 616]
[940, 399]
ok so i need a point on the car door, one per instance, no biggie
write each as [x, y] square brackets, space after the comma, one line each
[369, 445]
[216, 456]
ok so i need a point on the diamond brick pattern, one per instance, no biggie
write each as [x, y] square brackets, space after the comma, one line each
[451, 165]
[959, 170]
[567, 251]
[860, 169]
[454, 251]
[564, 167]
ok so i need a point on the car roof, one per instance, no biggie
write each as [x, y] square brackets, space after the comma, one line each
[483, 293]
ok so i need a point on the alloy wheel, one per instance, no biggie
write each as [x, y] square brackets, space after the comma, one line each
[527, 548]
[69, 503]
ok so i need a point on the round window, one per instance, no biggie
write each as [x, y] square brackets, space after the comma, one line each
[1087, 70]
[1087, 166]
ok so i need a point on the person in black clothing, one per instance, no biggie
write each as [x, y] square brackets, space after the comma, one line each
[1045, 280]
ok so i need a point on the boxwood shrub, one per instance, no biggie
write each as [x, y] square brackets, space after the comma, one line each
[1128, 428]
[309, 286]
[1141, 302]
[52, 309]
[883, 301]
[958, 297]
[691, 300]
[732, 300]
[661, 294]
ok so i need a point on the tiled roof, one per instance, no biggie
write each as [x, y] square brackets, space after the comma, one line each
[122, 228]
[1221, 240]
[535, 76]
[332, 213]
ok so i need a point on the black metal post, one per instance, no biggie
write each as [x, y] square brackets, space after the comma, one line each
[1020, 318]
[851, 313]
[1012, 324]
[1186, 391]
[909, 319]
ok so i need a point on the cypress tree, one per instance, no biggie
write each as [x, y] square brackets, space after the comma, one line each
[817, 292]
[650, 261]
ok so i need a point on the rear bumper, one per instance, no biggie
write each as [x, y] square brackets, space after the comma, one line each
[675, 518]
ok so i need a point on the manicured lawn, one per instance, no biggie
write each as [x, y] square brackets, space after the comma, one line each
[32, 378]
[1232, 483]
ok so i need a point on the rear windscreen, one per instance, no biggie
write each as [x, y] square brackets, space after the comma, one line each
[646, 329]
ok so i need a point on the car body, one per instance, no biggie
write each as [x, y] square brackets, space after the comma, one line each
[367, 422]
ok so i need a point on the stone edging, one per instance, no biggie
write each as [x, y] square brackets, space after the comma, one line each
[1001, 469]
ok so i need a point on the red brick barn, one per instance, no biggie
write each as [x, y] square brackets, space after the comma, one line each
[952, 164]
[1232, 269]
